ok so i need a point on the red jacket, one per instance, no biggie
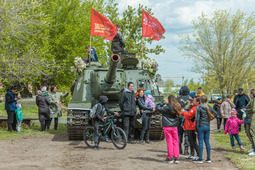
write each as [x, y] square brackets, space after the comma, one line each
[188, 124]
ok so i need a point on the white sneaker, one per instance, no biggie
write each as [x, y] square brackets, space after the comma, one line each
[140, 121]
[190, 157]
[250, 151]
[252, 154]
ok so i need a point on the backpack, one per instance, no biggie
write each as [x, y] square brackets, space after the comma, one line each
[93, 111]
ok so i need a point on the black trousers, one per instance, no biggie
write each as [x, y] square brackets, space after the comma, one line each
[146, 128]
[240, 116]
[45, 125]
[12, 121]
[193, 142]
[249, 135]
[219, 120]
[224, 122]
[129, 126]
[182, 132]
[55, 122]
[96, 133]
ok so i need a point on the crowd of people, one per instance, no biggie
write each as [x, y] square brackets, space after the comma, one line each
[187, 117]
[49, 107]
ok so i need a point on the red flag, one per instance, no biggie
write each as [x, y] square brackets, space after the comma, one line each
[101, 26]
[152, 27]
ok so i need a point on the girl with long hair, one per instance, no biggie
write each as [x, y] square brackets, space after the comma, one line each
[171, 111]
[203, 117]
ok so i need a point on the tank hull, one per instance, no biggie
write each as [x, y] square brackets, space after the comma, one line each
[97, 80]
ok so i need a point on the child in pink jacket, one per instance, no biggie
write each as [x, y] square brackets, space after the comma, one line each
[232, 129]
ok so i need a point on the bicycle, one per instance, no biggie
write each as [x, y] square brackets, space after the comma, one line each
[118, 136]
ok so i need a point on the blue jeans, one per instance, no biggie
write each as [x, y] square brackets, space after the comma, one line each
[233, 141]
[203, 135]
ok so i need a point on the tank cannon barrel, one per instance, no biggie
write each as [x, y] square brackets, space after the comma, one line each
[111, 74]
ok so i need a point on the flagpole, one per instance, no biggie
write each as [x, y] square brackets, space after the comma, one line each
[90, 51]
[142, 52]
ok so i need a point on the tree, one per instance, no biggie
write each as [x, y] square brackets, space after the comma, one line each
[222, 46]
[169, 83]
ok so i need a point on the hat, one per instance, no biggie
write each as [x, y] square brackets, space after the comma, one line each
[240, 90]
[18, 105]
[219, 98]
[138, 91]
[192, 94]
[147, 92]
[233, 111]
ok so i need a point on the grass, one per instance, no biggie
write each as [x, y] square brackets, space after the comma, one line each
[240, 158]
[34, 129]
[29, 109]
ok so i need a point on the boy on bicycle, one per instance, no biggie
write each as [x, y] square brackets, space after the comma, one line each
[101, 109]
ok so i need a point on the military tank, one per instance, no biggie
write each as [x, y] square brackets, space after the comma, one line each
[98, 80]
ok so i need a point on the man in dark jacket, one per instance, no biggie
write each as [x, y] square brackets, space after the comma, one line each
[128, 109]
[184, 100]
[10, 105]
[101, 109]
[118, 44]
[241, 100]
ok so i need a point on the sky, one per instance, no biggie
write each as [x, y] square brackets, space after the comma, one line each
[176, 16]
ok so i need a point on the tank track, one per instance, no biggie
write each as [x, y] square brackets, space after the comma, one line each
[156, 130]
[77, 120]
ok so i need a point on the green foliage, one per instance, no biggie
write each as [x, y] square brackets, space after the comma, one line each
[169, 82]
[222, 47]
[39, 39]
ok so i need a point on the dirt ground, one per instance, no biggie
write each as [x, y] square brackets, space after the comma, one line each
[56, 152]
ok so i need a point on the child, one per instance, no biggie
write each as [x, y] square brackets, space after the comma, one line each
[149, 102]
[216, 107]
[19, 116]
[171, 111]
[101, 108]
[232, 129]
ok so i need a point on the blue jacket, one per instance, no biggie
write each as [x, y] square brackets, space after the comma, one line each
[10, 102]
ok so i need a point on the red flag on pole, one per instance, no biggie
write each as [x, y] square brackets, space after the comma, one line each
[152, 27]
[101, 26]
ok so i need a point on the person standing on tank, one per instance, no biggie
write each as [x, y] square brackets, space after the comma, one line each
[240, 101]
[118, 44]
[56, 105]
[128, 109]
[92, 51]
[10, 106]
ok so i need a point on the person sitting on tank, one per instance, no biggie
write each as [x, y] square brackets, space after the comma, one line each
[118, 44]
[101, 109]
[94, 57]
[145, 102]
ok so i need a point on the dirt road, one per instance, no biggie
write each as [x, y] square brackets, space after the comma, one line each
[56, 152]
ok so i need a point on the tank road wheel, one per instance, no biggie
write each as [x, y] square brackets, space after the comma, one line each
[88, 136]
[119, 138]
[156, 130]
[77, 121]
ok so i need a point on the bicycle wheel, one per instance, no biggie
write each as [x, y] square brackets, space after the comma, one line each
[88, 136]
[119, 138]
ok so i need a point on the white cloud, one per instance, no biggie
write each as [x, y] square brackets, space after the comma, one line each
[176, 16]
